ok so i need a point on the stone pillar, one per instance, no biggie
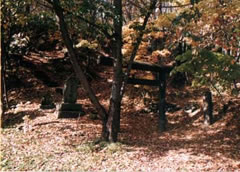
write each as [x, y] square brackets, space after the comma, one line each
[208, 108]
[69, 108]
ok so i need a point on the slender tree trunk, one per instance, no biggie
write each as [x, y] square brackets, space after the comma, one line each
[137, 44]
[113, 124]
[1, 93]
[111, 121]
[77, 68]
[118, 86]
[4, 57]
[1, 80]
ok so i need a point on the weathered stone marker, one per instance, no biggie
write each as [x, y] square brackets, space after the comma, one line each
[69, 108]
[70, 90]
[47, 102]
[208, 108]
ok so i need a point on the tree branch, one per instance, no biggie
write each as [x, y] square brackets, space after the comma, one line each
[137, 44]
[104, 31]
[73, 58]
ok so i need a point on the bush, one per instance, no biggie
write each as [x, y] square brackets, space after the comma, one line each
[41, 30]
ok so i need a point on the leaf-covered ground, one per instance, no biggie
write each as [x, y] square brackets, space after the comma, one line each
[34, 139]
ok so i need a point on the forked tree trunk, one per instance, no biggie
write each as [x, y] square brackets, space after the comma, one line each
[77, 68]
[119, 81]
[111, 121]
[208, 108]
[113, 124]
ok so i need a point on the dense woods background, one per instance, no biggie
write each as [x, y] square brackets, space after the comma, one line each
[162, 75]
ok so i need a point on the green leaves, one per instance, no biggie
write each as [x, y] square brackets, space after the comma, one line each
[136, 26]
[211, 30]
[187, 16]
[208, 67]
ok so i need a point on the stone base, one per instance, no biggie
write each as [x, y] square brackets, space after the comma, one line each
[52, 106]
[67, 110]
[70, 114]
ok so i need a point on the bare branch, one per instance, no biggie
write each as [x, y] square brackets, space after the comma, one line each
[102, 30]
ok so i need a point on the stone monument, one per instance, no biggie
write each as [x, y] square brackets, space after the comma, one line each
[69, 108]
[47, 102]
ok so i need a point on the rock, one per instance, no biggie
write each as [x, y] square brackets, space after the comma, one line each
[47, 102]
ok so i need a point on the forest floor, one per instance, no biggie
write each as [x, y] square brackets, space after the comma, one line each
[34, 139]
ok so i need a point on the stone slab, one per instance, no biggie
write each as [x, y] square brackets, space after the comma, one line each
[70, 110]
[70, 107]
[52, 106]
[70, 114]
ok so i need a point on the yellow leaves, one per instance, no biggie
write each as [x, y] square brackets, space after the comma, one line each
[157, 35]
[190, 41]
[194, 43]
[165, 20]
[87, 44]
[127, 39]
[126, 30]
[148, 75]
[218, 41]
[126, 50]
[156, 53]
[138, 58]
[179, 32]
[206, 27]
[83, 43]
[233, 61]
[163, 53]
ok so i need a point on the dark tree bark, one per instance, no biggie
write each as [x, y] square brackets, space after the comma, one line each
[1, 93]
[111, 121]
[119, 81]
[76, 67]
[4, 58]
[208, 108]
[2, 80]
[113, 124]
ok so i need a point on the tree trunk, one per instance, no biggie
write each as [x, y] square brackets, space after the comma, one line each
[113, 123]
[208, 108]
[76, 67]
[118, 86]
[2, 77]
[1, 93]
[4, 57]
